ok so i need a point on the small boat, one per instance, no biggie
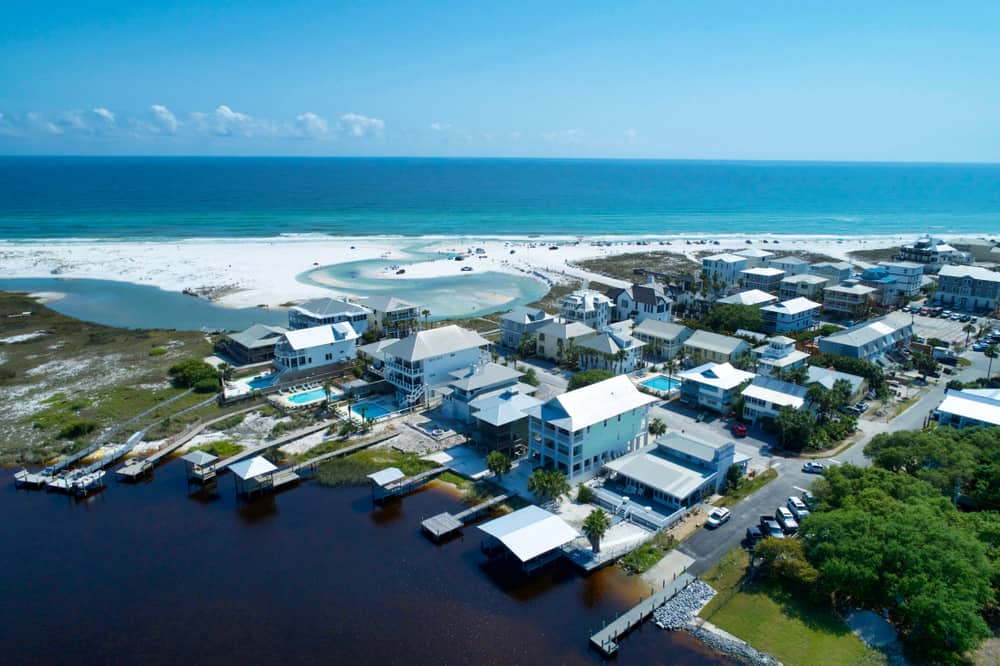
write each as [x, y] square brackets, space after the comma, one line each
[400, 271]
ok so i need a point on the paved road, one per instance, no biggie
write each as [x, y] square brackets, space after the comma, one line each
[708, 546]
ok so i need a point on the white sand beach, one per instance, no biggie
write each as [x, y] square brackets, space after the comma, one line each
[250, 272]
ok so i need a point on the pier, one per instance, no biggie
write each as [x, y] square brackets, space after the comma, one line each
[395, 484]
[443, 524]
[606, 640]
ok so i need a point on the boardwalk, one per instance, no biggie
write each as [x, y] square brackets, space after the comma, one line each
[405, 485]
[606, 640]
[445, 523]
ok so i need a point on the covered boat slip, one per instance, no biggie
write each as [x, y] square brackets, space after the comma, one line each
[532, 535]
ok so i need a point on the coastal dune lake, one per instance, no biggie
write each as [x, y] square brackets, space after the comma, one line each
[148, 574]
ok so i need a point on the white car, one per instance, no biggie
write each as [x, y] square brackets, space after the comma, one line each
[786, 520]
[717, 516]
[797, 507]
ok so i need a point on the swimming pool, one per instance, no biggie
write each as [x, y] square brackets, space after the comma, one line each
[307, 397]
[373, 409]
[662, 383]
[262, 381]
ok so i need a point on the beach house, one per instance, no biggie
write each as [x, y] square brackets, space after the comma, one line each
[558, 337]
[577, 432]
[713, 386]
[749, 297]
[878, 278]
[909, 277]
[932, 253]
[755, 256]
[764, 397]
[316, 347]
[253, 345]
[474, 381]
[519, 322]
[804, 285]
[321, 311]
[766, 279]
[640, 302]
[826, 378]
[791, 265]
[704, 346]
[427, 358]
[968, 288]
[663, 339]
[723, 268]
[778, 356]
[614, 349]
[969, 407]
[501, 420]
[392, 316]
[797, 314]
[587, 307]
[848, 301]
[870, 340]
[835, 271]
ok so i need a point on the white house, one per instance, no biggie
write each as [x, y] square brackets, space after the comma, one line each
[755, 256]
[778, 355]
[797, 314]
[579, 431]
[871, 339]
[968, 288]
[749, 297]
[427, 358]
[519, 322]
[708, 346]
[640, 302]
[663, 339]
[932, 253]
[970, 407]
[908, 276]
[587, 307]
[314, 347]
[724, 268]
[557, 337]
[392, 316]
[767, 279]
[329, 311]
[475, 381]
[805, 285]
[791, 265]
[764, 397]
[613, 349]
[713, 386]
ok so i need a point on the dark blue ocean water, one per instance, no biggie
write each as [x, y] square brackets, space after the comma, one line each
[68, 197]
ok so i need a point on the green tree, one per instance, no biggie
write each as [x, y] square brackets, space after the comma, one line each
[587, 377]
[584, 494]
[795, 428]
[925, 364]
[785, 560]
[194, 373]
[657, 427]
[498, 463]
[734, 477]
[226, 371]
[991, 352]
[527, 346]
[548, 484]
[427, 317]
[531, 377]
[595, 526]
[969, 330]
[730, 317]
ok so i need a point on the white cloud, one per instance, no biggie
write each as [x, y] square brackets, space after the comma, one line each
[105, 114]
[564, 137]
[631, 136]
[225, 122]
[440, 127]
[358, 125]
[8, 126]
[164, 122]
[39, 123]
[311, 126]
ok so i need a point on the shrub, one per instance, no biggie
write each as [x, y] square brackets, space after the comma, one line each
[584, 494]
[77, 428]
[157, 351]
[192, 374]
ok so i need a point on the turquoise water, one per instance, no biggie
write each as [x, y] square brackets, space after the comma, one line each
[662, 383]
[373, 409]
[169, 198]
[261, 382]
[307, 397]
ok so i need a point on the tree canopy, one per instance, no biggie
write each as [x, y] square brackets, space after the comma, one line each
[498, 463]
[731, 317]
[548, 484]
[588, 377]
[195, 373]
[853, 366]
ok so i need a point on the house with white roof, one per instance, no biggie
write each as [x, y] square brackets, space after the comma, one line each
[849, 301]
[790, 265]
[755, 256]
[766, 279]
[713, 386]
[556, 337]
[749, 297]
[968, 288]
[835, 271]
[640, 302]
[826, 378]
[521, 321]
[320, 311]
[797, 314]
[427, 358]
[663, 339]
[532, 535]
[724, 268]
[708, 346]
[871, 339]
[579, 431]
[587, 307]
[908, 277]
[316, 347]
[764, 397]
[676, 471]
[933, 253]
[804, 285]
[613, 349]
[778, 356]
[501, 420]
[392, 316]
[474, 381]
[969, 407]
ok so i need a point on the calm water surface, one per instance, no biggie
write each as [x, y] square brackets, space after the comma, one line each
[147, 574]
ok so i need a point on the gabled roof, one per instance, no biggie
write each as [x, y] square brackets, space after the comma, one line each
[777, 392]
[386, 303]
[792, 306]
[530, 532]
[608, 343]
[717, 375]
[749, 297]
[592, 404]
[974, 272]
[326, 307]
[525, 315]
[664, 330]
[763, 271]
[649, 294]
[254, 467]
[836, 265]
[871, 330]
[566, 330]
[857, 289]
[258, 335]
[755, 252]
[789, 260]
[654, 470]
[688, 445]
[477, 376]
[713, 342]
[725, 257]
[504, 407]
[809, 278]
[387, 475]
[377, 349]
[826, 378]
[317, 336]
[435, 342]
[971, 406]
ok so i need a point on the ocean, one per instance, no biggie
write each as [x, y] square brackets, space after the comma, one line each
[173, 198]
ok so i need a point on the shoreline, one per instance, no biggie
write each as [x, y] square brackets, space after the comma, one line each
[246, 272]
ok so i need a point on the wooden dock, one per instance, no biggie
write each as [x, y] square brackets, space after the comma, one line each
[606, 640]
[405, 485]
[445, 523]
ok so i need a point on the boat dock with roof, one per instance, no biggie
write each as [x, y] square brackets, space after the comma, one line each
[446, 523]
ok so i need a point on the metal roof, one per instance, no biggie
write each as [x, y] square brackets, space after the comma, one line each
[525, 315]
[254, 467]
[258, 335]
[749, 297]
[714, 342]
[530, 532]
[386, 476]
[199, 457]
[827, 378]
[325, 307]
[777, 392]
[663, 330]
[656, 471]
[718, 375]
[974, 272]
[385, 303]
[317, 336]
[691, 446]
[479, 376]
[971, 406]
[503, 408]
[793, 306]
[435, 342]
[592, 404]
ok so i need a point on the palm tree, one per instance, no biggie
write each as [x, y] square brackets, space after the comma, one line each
[560, 344]
[427, 315]
[498, 463]
[595, 526]
[969, 330]
[991, 352]
[657, 427]
[226, 371]
[620, 357]
[327, 389]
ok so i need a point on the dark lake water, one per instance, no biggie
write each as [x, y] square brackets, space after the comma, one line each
[147, 574]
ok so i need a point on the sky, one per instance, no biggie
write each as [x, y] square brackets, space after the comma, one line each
[852, 81]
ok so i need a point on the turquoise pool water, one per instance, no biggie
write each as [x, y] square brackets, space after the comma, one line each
[373, 409]
[261, 382]
[661, 383]
[307, 397]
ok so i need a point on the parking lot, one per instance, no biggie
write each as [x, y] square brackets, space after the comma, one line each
[945, 329]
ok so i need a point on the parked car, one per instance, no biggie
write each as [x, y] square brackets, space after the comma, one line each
[717, 517]
[786, 520]
[753, 535]
[813, 467]
[466, 269]
[861, 407]
[797, 507]
[739, 429]
[770, 528]
[809, 499]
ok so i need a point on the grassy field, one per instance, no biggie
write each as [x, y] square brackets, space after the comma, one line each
[748, 487]
[777, 622]
[874, 256]
[354, 469]
[645, 556]
[550, 301]
[63, 381]
[622, 266]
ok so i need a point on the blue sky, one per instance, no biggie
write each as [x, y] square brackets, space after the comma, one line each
[885, 81]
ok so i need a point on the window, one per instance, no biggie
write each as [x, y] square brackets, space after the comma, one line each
[329, 357]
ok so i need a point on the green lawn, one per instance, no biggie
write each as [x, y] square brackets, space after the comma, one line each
[748, 487]
[777, 622]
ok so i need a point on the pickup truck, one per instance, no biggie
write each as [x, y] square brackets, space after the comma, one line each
[770, 528]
